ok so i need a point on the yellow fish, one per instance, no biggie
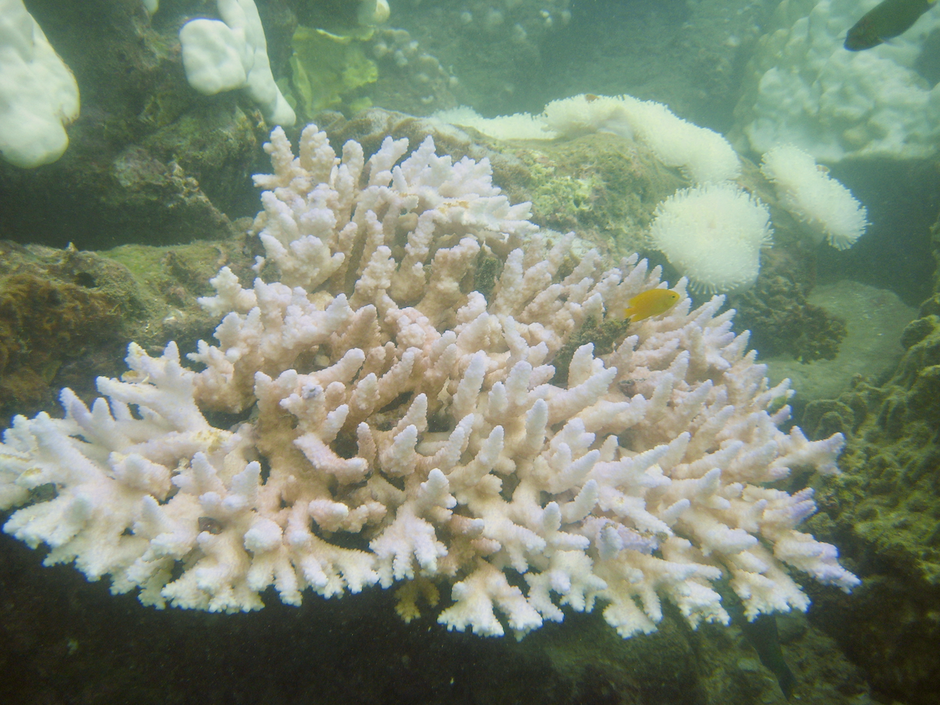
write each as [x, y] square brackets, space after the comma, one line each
[650, 303]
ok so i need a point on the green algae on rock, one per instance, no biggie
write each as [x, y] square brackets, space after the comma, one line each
[885, 512]
[67, 316]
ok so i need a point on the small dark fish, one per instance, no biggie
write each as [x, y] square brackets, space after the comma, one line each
[886, 20]
[761, 633]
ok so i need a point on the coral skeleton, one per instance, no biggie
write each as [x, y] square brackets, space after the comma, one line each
[416, 411]
[801, 87]
[232, 53]
[38, 93]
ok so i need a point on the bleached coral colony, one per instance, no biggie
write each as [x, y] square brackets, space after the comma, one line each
[407, 420]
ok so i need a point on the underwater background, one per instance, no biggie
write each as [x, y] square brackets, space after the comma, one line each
[114, 241]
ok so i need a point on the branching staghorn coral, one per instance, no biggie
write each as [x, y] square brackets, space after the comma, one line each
[401, 428]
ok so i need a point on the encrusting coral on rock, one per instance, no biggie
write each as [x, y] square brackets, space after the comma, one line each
[402, 422]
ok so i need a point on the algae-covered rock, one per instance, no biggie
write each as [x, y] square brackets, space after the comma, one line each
[60, 312]
[602, 186]
[884, 512]
[150, 160]
[328, 68]
[67, 316]
[866, 342]
[888, 491]
[784, 324]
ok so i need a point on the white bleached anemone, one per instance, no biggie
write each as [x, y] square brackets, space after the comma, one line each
[703, 155]
[520, 126]
[713, 235]
[826, 207]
